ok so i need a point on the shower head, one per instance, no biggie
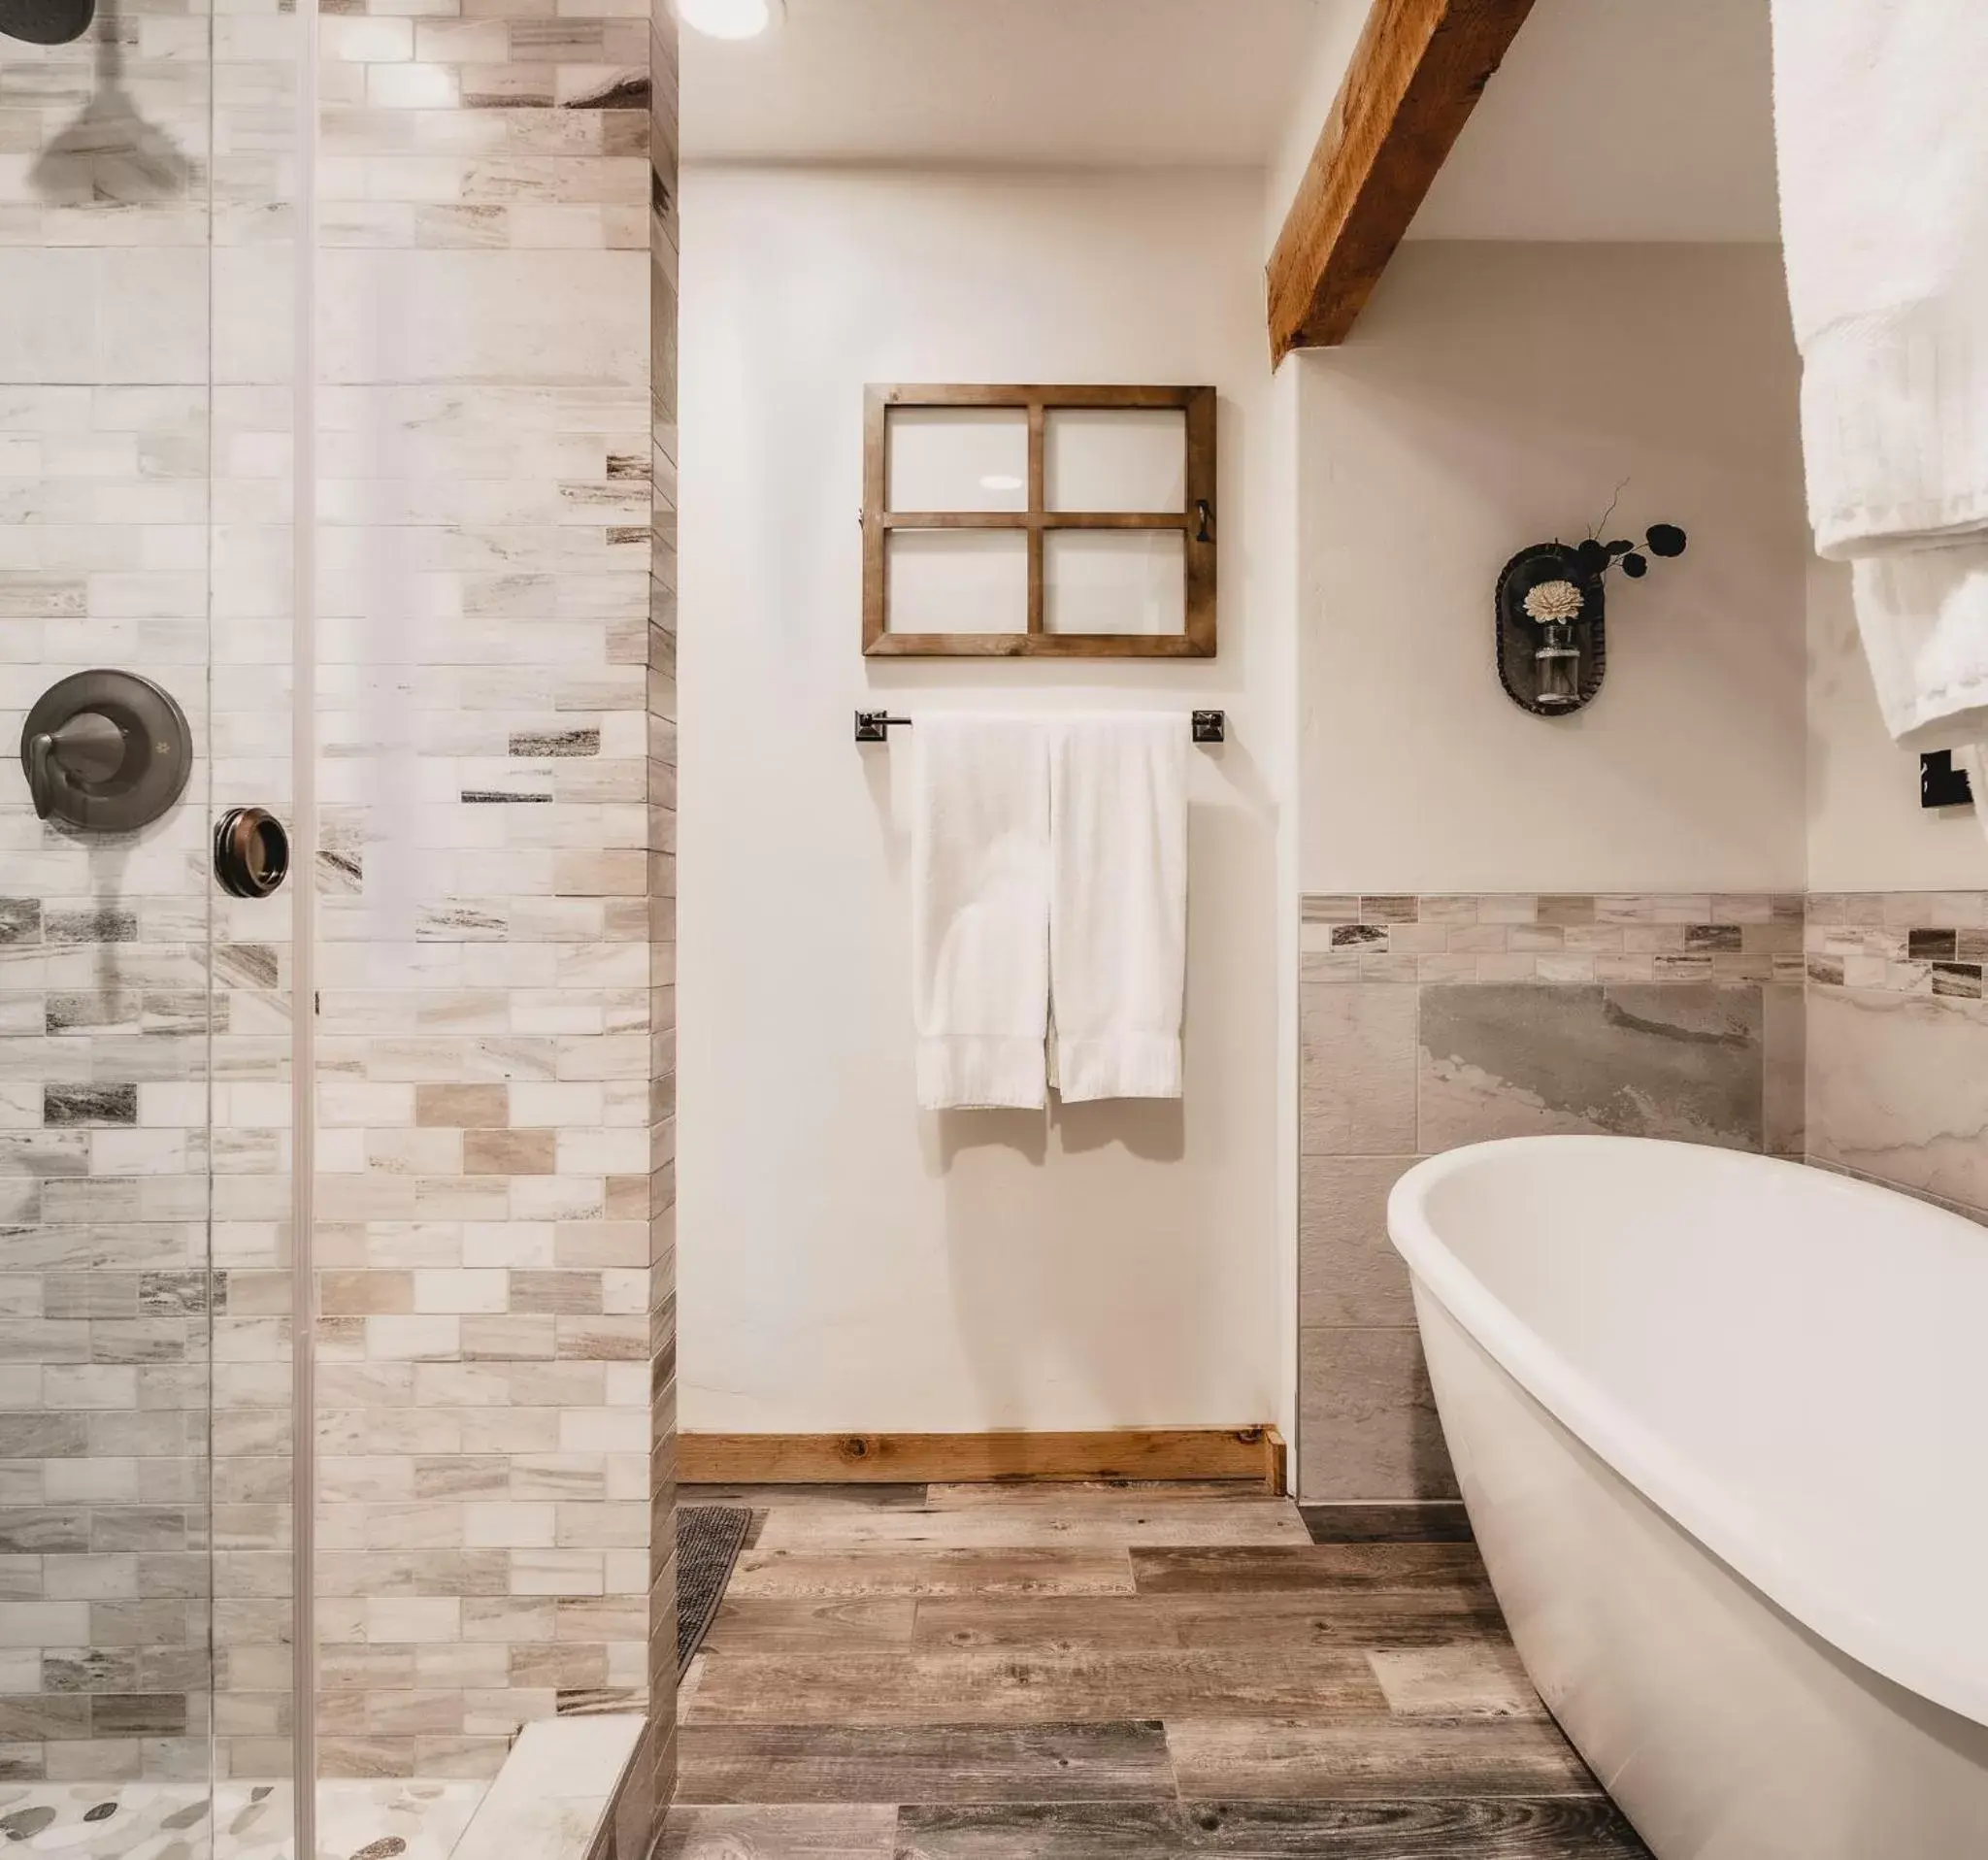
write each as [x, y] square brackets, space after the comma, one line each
[45, 23]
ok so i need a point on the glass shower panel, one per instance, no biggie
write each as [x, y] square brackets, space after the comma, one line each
[146, 1624]
[258, 244]
[105, 1592]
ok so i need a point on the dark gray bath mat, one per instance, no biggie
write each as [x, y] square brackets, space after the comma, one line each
[709, 1538]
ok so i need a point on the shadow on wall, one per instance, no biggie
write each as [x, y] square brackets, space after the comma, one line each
[1082, 1291]
[110, 154]
[1152, 1129]
[1092, 1257]
[1104, 1263]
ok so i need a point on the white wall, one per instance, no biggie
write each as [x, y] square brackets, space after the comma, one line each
[1620, 120]
[1335, 33]
[1493, 396]
[847, 1263]
[1867, 831]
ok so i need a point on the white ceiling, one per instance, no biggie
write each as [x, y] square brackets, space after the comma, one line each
[1022, 82]
[1612, 119]
[1620, 119]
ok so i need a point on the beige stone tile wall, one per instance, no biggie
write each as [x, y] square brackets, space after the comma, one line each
[1434, 1021]
[1847, 1029]
[1898, 1073]
[495, 816]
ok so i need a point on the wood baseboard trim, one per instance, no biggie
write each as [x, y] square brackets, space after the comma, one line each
[1157, 1453]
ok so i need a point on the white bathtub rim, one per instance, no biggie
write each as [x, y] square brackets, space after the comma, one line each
[1750, 1541]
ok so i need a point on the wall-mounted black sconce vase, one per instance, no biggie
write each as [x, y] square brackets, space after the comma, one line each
[1551, 615]
[1552, 669]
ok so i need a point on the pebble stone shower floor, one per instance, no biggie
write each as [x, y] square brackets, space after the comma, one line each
[391, 1819]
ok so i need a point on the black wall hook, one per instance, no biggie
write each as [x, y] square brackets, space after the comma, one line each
[1941, 783]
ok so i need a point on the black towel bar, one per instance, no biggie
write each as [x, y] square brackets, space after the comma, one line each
[876, 726]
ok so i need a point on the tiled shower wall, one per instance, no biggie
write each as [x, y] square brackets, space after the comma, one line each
[496, 816]
[1430, 1022]
[495, 1346]
[106, 997]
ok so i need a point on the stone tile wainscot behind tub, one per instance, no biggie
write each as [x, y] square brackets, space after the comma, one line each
[1430, 1022]
[1897, 1075]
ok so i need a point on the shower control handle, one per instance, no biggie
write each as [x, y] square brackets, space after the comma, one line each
[106, 751]
[88, 747]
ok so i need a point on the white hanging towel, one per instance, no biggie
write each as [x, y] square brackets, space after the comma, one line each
[1118, 904]
[1883, 148]
[980, 911]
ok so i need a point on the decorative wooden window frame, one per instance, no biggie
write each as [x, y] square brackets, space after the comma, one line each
[1195, 520]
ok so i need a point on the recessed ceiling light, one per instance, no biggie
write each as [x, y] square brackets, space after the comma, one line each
[728, 18]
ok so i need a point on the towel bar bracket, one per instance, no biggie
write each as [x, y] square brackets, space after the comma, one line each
[876, 726]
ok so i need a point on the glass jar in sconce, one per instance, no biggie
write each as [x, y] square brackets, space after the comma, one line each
[1556, 608]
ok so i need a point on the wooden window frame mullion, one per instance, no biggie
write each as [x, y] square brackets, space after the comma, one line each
[1196, 522]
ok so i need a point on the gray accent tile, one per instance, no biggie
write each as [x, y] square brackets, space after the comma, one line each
[1898, 1090]
[1348, 1272]
[1367, 1422]
[89, 926]
[1358, 1093]
[1784, 1109]
[1645, 1060]
[560, 742]
[73, 1105]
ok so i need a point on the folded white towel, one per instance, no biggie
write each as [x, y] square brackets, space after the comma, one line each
[1118, 904]
[980, 911]
[1884, 152]
[1923, 613]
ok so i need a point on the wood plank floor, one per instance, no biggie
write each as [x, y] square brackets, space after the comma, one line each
[974, 1672]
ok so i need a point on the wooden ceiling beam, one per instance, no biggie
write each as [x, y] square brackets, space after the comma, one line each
[1415, 76]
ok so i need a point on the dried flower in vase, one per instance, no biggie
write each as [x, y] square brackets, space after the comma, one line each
[1553, 603]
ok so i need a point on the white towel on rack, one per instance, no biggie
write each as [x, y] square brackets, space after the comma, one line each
[1883, 152]
[1118, 902]
[980, 911]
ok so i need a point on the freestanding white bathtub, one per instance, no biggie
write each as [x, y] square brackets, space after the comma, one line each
[1722, 1427]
